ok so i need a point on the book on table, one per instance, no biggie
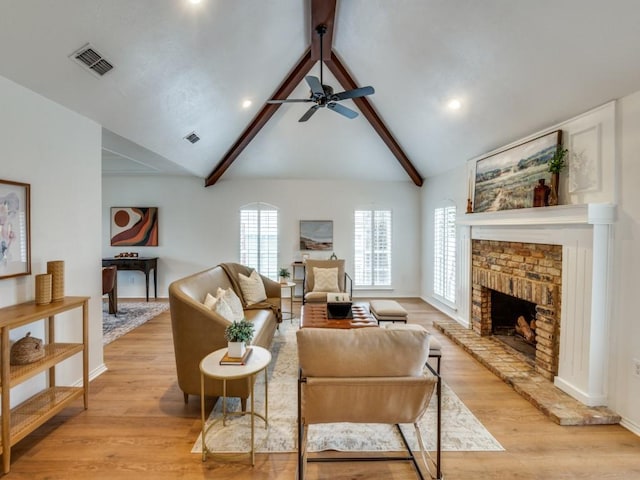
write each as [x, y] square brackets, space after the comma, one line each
[227, 360]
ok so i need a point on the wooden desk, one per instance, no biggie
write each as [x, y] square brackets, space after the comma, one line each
[142, 264]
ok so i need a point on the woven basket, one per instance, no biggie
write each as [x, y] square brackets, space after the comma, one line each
[43, 289]
[56, 269]
[26, 350]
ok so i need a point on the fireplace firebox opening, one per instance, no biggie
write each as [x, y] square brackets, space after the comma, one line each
[513, 322]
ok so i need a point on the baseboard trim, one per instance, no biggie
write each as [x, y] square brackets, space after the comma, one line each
[452, 314]
[578, 394]
[630, 425]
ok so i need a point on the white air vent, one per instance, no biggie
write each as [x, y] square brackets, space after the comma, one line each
[192, 137]
[92, 60]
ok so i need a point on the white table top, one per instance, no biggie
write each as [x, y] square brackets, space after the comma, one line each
[257, 361]
[287, 284]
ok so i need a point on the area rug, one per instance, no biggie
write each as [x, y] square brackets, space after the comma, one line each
[461, 430]
[130, 315]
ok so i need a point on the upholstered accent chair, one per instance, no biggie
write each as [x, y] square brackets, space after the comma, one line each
[347, 376]
[315, 288]
[110, 287]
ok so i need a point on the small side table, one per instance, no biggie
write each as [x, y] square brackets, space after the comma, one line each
[210, 367]
[291, 286]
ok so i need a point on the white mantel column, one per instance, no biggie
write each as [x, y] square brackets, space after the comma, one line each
[601, 216]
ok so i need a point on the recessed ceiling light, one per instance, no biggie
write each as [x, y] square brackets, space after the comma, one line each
[195, 1]
[454, 104]
[246, 104]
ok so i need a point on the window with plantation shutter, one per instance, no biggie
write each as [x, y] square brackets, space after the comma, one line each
[444, 264]
[372, 245]
[259, 238]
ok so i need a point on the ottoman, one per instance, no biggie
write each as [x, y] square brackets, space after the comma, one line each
[388, 311]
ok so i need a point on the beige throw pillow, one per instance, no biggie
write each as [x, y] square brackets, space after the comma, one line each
[252, 288]
[210, 301]
[233, 301]
[325, 279]
[222, 308]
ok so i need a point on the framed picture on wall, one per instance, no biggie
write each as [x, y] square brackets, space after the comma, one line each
[15, 234]
[134, 226]
[316, 235]
[505, 180]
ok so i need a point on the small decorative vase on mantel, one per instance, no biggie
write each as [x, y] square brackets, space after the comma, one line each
[541, 194]
[553, 194]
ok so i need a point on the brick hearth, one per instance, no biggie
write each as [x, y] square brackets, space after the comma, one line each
[553, 402]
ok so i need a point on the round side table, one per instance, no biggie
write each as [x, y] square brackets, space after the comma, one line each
[291, 286]
[210, 367]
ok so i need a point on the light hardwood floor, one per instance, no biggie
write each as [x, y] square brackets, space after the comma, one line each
[138, 427]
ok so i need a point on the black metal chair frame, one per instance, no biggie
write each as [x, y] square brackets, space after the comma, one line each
[409, 457]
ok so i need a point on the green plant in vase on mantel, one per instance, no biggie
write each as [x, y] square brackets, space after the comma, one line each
[555, 166]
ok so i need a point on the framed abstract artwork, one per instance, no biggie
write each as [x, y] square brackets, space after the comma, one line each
[134, 226]
[316, 235]
[15, 235]
[505, 180]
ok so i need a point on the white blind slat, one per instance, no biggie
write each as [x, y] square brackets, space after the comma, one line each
[372, 247]
[444, 261]
[259, 239]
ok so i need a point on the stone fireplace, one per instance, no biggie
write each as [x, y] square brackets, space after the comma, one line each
[527, 271]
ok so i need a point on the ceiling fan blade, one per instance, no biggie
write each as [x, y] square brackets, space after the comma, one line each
[314, 85]
[308, 113]
[342, 110]
[355, 93]
[290, 100]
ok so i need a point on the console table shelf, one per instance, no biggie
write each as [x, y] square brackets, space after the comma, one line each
[23, 419]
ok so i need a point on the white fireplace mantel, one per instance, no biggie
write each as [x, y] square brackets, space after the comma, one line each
[592, 213]
[584, 231]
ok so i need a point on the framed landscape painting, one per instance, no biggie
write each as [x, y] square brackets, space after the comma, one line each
[15, 235]
[134, 226]
[505, 180]
[316, 235]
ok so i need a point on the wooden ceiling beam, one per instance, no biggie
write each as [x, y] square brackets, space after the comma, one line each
[323, 12]
[347, 82]
[292, 80]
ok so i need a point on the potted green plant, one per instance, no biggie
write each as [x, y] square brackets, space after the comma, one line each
[284, 274]
[238, 334]
[555, 166]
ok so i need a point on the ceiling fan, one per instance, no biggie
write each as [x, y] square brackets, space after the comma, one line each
[322, 95]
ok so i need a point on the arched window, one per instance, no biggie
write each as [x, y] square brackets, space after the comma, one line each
[259, 238]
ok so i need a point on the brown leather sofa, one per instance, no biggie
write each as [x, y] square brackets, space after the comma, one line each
[198, 331]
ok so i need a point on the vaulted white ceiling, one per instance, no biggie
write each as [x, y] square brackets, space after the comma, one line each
[518, 66]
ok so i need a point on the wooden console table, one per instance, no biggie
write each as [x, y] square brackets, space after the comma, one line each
[23, 419]
[142, 264]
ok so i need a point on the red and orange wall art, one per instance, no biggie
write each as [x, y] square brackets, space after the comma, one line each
[134, 226]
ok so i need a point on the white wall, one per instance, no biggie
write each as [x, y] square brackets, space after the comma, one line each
[57, 152]
[199, 227]
[625, 335]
